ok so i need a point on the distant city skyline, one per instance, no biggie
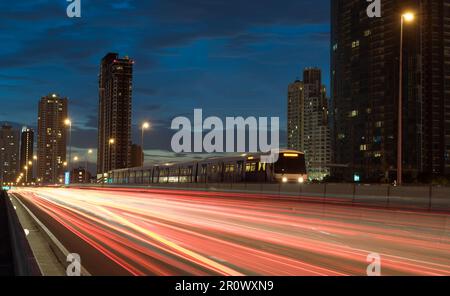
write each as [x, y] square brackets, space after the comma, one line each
[237, 68]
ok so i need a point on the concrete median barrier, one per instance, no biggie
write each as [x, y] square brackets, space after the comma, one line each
[315, 190]
[14, 243]
[411, 197]
[290, 189]
[379, 195]
[440, 198]
[269, 188]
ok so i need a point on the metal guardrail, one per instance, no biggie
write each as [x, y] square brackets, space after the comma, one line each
[23, 260]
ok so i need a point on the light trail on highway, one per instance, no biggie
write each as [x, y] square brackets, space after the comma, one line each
[167, 232]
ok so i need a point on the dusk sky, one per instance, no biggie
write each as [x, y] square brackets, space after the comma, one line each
[231, 58]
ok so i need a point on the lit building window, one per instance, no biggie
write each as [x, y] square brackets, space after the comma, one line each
[353, 113]
[355, 44]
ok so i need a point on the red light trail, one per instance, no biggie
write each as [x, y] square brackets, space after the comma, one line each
[163, 232]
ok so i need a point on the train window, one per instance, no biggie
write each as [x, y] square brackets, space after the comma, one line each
[186, 171]
[250, 167]
[261, 167]
[239, 167]
[204, 169]
[229, 168]
[290, 164]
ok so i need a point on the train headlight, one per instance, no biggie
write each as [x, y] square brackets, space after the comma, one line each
[301, 180]
[285, 179]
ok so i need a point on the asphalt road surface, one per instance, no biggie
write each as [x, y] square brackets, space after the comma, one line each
[163, 232]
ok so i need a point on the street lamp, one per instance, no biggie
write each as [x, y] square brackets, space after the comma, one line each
[34, 172]
[90, 151]
[145, 126]
[68, 123]
[111, 142]
[406, 17]
[26, 173]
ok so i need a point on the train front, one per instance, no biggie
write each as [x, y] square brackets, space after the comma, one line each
[290, 167]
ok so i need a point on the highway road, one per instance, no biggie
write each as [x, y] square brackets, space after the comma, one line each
[164, 232]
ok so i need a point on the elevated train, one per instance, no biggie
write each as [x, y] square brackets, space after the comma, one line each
[290, 167]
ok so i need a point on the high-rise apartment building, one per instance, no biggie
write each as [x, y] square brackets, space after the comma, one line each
[114, 125]
[308, 126]
[51, 139]
[317, 138]
[296, 105]
[9, 154]
[80, 176]
[26, 153]
[365, 89]
[137, 156]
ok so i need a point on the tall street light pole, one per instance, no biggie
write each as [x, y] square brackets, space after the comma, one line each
[86, 167]
[68, 123]
[29, 171]
[406, 17]
[145, 126]
[35, 169]
[75, 160]
[110, 143]
[26, 175]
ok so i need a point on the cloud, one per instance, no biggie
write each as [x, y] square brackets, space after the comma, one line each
[152, 107]
[92, 121]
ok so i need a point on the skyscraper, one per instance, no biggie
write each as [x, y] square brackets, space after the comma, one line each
[365, 86]
[435, 86]
[296, 105]
[26, 152]
[308, 127]
[9, 154]
[317, 138]
[114, 125]
[51, 139]
[137, 156]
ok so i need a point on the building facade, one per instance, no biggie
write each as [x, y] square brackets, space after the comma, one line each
[308, 126]
[26, 153]
[365, 89]
[52, 139]
[295, 118]
[9, 154]
[317, 138]
[80, 176]
[137, 156]
[435, 85]
[114, 126]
